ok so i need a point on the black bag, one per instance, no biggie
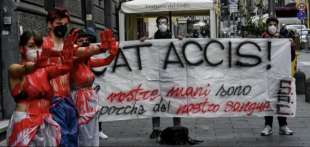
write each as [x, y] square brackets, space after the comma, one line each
[176, 135]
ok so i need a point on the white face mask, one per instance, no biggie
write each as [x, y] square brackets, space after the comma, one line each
[272, 29]
[32, 53]
[163, 27]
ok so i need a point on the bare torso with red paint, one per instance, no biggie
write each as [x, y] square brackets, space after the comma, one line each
[36, 85]
[82, 76]
[60, 84]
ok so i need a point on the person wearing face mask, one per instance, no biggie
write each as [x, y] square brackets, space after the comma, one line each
[63, 110]
[272, 32]
[195, 33]
[98, 70]
[204, 33]
[162, 33]
[84, 96]
[272, 28]
[57, 41]
[31, 123]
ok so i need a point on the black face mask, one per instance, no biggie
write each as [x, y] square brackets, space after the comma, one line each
[60, 31]
[85, 44]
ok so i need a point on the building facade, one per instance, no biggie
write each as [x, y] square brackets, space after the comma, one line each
[20, 15]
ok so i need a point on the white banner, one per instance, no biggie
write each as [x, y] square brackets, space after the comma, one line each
[146, 6]
[198, 78]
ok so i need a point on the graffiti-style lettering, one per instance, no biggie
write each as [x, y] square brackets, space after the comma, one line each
[284, 97]
[201, 107]
[138, 52]
[123, 110]
[234, 90]
[206, 50]
[249, 56]
[167, 61]
[162, 106]
[133, 95]
[125, 64]
[248, 107]
[193, 92]
[185, 56]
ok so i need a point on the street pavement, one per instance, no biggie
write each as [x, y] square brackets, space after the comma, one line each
[304, 62]
[220, 132]
[216, 132]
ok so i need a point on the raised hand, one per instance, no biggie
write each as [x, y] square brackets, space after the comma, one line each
[105, 37]
[67, 57]
[41, 60]
[108, 42]
[113, 47]
[69, 48]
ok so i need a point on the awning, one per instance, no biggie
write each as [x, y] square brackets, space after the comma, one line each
[145, 6]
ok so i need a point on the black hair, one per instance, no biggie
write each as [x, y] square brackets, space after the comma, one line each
[161, 17]
[57, 13]
[291, 34]
[82, 33]
[270, 19]
[89, 34]
[24, 38]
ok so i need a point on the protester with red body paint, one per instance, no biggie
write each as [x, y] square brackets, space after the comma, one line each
[85, 97]
[31, 123]
[63, 110]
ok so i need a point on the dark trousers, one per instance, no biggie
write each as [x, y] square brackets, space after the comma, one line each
[281, 120]
[156, 122]
[64, 113]
[100, 126]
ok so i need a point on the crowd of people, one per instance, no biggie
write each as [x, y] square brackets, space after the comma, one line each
[56, 102]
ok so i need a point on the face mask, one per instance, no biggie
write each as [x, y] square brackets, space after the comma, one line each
[163, 27]
[272, 29]
[85, 44]
[32, 53]
[60, 31]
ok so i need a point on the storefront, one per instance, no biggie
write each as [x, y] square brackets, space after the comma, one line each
[138, 18]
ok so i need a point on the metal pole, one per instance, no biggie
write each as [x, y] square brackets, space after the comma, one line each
[170, 23]
[1, 81]
[307, 5]
[271, 7]
[87, 13]
[108, 13]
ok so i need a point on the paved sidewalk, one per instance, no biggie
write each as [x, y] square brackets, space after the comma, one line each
[216, 132]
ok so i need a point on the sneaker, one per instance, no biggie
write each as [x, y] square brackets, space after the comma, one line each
[155, 134]
[194, 141]
[267, 131]
[284, 130]
[103, 136]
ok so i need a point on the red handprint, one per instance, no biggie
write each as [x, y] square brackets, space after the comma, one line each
[69, 48]
[108, 42]
[41, 60]
[113, 47]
